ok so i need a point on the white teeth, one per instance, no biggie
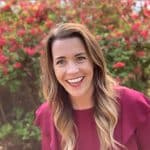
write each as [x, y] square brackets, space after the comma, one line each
[75, 80]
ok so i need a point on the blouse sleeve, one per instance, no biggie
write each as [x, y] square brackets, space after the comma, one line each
[42, 114]
[43, 121]
[143, 132]
[135, 118]
[37, 120]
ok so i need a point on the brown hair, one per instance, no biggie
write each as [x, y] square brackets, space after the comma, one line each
[105, 108]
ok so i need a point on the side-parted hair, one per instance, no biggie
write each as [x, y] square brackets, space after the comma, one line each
[105, 103]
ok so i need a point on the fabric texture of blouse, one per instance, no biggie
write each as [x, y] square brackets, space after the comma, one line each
[132, 129]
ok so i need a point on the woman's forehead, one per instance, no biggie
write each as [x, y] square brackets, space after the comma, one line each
[67, 46]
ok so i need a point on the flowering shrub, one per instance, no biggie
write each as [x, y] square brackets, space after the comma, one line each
[121, 28]
[121, 31]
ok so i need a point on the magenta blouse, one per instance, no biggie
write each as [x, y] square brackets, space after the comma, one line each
[132, 129]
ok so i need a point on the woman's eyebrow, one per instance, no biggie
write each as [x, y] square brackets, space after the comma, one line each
[76, 55]
[79, 54]
[60, 57]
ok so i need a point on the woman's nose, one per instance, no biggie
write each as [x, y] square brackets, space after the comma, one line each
[72, 68]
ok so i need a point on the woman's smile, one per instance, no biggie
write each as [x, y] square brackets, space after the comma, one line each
[76, 82]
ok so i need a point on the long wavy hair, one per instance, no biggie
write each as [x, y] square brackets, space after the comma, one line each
[105, 103]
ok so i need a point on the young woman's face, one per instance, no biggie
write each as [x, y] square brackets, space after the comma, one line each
[72, 67]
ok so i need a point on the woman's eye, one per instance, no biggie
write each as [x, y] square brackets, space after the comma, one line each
[80, 59]
[60, 62]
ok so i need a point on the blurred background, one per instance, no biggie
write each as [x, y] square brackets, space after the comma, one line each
[121, 28]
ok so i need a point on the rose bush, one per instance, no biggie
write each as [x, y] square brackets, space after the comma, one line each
[121, 30]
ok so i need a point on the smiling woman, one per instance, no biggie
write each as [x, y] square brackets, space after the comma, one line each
[85, 108]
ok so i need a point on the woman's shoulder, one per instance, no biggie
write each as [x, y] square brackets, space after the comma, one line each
[134, 105]
[131, 97]
[42, 113]
[44, 107]
[134, 110]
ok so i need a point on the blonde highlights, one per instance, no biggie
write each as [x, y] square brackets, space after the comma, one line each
[105, 103]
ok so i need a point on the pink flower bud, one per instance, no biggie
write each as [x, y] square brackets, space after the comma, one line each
[119, 65]
[17, 65]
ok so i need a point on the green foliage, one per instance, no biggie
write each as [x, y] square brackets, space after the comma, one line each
[22, 126]
[5, 130]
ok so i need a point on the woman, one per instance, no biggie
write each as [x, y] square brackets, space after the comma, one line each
[85, 109]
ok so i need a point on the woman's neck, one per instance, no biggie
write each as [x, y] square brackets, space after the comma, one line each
[83, 102]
